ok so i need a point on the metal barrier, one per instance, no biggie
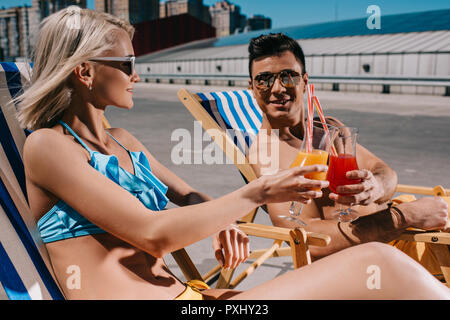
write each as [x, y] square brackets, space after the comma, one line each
[385, 81]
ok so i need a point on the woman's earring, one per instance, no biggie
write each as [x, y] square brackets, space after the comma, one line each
[90, 87]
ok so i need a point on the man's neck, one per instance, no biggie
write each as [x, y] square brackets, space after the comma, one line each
[285, 132]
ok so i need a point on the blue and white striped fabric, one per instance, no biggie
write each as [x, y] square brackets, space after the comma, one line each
[14, 77]
[24, 264]
[236, 112]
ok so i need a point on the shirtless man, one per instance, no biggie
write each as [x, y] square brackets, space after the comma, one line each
[283, 109]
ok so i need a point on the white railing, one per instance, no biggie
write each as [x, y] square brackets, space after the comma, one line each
[385, 81]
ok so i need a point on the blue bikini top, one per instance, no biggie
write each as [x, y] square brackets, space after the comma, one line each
[63, 222]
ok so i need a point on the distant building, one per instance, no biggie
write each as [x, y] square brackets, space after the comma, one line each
[151, 36]
[47, 7]
[17, 27]
[411, 57]
[194, 8]
[258, 22]
[134, 11]
[227, 18]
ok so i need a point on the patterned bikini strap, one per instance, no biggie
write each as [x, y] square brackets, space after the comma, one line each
[75, 136]
[117, 141]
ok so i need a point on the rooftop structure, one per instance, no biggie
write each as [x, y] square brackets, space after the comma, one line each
[342, 55]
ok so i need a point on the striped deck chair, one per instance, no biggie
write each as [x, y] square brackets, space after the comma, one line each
[237, 115]
[25, 269]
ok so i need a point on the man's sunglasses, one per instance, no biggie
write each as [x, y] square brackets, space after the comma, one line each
[126, 64]
[288, 78]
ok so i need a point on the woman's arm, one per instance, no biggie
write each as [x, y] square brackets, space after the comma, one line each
[62, 169]
[230, 245]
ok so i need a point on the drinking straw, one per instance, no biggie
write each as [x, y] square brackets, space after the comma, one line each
[310, 115]
[324, 123]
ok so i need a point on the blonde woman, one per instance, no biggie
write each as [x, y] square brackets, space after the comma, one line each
[97, 195]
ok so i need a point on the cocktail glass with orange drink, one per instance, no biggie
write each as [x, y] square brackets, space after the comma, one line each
[316, 156]
[316, 153]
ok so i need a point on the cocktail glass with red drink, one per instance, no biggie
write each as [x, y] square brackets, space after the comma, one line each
[343, 161]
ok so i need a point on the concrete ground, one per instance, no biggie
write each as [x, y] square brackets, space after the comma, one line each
[410, 132]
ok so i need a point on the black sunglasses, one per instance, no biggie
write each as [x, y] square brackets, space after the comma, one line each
[288, 79]
[126, 64]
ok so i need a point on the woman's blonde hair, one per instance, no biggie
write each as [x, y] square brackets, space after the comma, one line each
[66, 39]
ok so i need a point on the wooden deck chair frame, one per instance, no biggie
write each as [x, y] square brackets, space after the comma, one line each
[438, 241]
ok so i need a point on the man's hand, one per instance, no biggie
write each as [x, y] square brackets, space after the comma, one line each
[364, 193]
[426, 213]
[231, 247]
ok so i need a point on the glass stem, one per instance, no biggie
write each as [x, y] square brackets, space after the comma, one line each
[292, 210]
[342, 210]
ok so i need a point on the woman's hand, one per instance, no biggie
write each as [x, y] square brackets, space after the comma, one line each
[231, 247]
[290, 185]
[364, 193]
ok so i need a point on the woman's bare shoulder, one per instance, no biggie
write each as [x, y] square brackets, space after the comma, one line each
[48, 138]
[41, 139]
[45, 145]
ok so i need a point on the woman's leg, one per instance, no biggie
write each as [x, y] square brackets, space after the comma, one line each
[368, 271]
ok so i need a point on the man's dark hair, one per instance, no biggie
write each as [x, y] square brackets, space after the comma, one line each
[274, 44]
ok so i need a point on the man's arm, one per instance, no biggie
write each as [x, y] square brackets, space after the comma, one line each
[387, 178]
[340, 233]
[384, 175]
[382, 226]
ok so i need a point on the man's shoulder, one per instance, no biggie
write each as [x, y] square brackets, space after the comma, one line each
[333, 121]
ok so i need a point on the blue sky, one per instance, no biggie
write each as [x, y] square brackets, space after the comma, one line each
[299, 12]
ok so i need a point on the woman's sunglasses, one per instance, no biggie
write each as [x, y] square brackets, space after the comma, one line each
[289, 79]
[126, 64]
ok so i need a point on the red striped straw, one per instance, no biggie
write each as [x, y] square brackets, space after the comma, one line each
[310, 115]
[324, 123]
